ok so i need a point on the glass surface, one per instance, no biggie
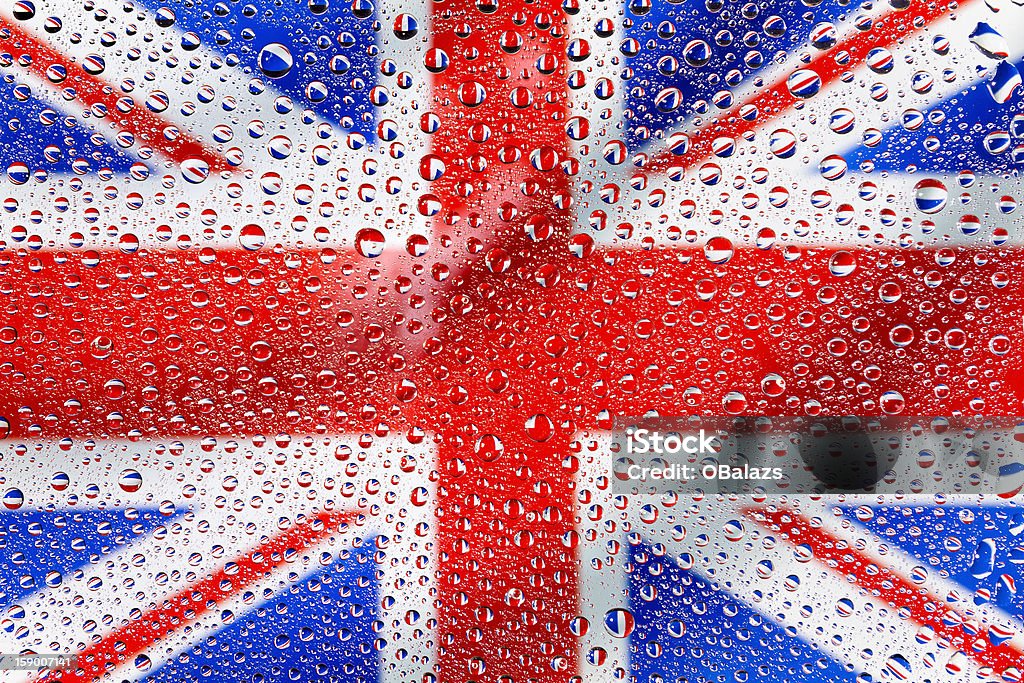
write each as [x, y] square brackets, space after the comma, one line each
[322, 323]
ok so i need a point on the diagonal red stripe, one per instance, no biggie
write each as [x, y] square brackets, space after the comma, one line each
[776, 100]
[162, 135]
[885, 584]
[181, 609]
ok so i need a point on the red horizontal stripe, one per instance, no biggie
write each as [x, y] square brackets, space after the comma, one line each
[265, 342]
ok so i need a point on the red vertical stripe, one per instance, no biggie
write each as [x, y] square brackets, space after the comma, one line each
[508, 583]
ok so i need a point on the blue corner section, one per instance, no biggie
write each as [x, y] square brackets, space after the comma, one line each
[40, 549]
[981, 548]
[320, 628]
[34, 134]
[954, 144]
[687, 629]
[710, 73]
[333, 53]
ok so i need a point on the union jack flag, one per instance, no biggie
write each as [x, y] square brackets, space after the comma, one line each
[317, 317]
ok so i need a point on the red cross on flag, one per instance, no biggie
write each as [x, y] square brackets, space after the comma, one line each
[321, 320]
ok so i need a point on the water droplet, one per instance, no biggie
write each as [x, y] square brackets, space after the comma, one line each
[842, 264]
[275, 60]
[13, 498]
[252, 237]
[619, 622]
[370, 242]
[130, 480]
